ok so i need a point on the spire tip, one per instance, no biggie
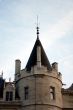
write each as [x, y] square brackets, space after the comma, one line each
[37, 29]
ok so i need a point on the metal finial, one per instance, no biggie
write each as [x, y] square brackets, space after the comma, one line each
[2, 73]
[37, 29]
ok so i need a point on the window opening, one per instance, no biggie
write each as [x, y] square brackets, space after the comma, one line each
[52, 93]
[9, 96]
[26, 92]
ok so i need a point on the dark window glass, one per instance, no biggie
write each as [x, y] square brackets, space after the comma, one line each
[26, 93]
[9, 96]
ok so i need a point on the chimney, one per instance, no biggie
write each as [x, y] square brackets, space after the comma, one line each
[55, 66]
[38, 56]
[17, 66]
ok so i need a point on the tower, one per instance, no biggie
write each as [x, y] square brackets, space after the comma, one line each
[39, 84]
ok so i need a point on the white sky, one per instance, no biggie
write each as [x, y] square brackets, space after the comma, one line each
[18, 33]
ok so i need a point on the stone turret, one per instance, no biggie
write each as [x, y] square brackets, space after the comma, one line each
[39, 84]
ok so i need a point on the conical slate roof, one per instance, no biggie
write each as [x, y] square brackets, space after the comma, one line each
[33, 57]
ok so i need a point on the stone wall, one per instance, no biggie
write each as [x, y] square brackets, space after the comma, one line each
[39, 81]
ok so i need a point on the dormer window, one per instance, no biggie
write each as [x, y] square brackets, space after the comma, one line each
[9, 95]
[9, 91]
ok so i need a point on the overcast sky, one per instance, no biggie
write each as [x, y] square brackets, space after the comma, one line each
[18, 19]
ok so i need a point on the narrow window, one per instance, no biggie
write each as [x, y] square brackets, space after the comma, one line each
[26, 93]
[9, 96]
[52, 93]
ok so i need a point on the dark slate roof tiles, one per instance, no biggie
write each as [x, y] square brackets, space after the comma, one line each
[33, 57]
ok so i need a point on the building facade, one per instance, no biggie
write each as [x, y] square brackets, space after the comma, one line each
[38, 86]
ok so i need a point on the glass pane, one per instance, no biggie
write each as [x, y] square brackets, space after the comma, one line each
[11, 96]
[7, 96]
